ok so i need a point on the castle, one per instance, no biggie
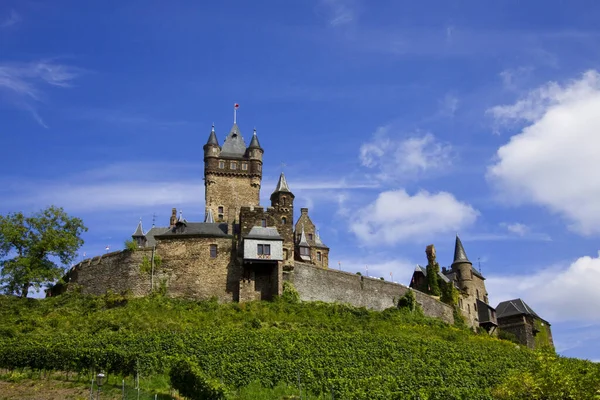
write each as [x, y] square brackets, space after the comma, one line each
[244, 252]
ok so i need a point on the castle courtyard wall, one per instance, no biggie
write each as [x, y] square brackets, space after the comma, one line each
[328, 285]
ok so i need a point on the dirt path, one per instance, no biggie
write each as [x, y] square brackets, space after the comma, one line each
[42, 390]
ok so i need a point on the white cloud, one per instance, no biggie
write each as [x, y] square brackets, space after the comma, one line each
[21, 83]
[396, 216]
[449, 105]
[551, 162]
[556, 293]
[12, 19]
[401, 159]
[400, 269]
[517, 228]
[512, 78]
[340, 12]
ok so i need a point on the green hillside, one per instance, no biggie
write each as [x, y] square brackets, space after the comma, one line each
[234, 350]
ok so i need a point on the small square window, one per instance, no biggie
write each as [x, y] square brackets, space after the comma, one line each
[304, 251]
[233, 165]
[213, 251]
[318, 256]
[220, 210]
[310, 236]
[221, 164]
[244, 166]
[263, 249]
[263, 223]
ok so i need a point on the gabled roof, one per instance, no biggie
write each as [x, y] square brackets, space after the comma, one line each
[514, 307]
[268, 233]
[460, 256]
[139, 232]
[282, 185]
[234, 145]
[423, 270]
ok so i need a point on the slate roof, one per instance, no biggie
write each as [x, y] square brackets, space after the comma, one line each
[460, 256]
[209, 219]
[268, 233]
[419, 268]
[254, 142]
[234, 145]
[513, 307]
[282, 185]
[154, 231]
[318, 242]
[212, 139]
[139, 232]
[196, 229]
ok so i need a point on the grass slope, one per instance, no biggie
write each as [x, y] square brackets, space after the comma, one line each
[331, 349]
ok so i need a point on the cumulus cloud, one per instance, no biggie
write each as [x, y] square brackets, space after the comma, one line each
[397, 216]
[406, 158]
[22, 83]
[555, 293]
[551, 161]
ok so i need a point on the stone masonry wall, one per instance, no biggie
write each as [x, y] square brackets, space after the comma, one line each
[186, 270]
[117, 271]
[328, 285]
[231, 193]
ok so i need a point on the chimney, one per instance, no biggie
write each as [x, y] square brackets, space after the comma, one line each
[304, 211]
[173, 219]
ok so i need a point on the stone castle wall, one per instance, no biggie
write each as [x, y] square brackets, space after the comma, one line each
[186, 270]
[231, 193]
[328, 285]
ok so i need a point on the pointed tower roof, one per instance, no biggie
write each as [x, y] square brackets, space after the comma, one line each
[181, 219]
[303, 241]
[234, 145]
[139, 232]
[254, 142]
[459, 253]
[318, 241]
[212, 139]
[282, 185]
[209, 219]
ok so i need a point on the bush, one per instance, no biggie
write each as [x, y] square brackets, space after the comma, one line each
[408, 301]
[290, 294]
[193, 383]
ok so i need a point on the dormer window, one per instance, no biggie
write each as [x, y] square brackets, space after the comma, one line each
[304, 251]
[318, 256]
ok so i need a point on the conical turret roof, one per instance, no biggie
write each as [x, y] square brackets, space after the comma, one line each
[209, 219]
[318, 241]
[254, 142]
[139, 231]
[303, 241]
[212, 139]
[459, 253]
[282, 185]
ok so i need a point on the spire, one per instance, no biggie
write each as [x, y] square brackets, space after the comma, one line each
[318, 241]
[303, 241]
[139, 232]
[282, 185]
[254, 142]
[209, 219]
[459, 253]
[212, 139]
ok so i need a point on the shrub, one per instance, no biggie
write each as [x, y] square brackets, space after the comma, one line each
[408, 301]
[290, 294]
[193, 383]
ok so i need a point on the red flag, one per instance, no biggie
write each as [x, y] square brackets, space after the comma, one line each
[236, 105]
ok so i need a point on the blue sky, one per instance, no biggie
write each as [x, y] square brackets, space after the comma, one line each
[399, 124]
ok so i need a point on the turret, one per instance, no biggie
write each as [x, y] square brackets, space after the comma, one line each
[461, 264]
[282, 201]
[139, 236]
[212, 148]
[255, 155]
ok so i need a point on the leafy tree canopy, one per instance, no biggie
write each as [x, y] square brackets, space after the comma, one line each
[31, 246]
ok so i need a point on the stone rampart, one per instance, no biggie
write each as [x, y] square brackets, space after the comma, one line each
[328, 285]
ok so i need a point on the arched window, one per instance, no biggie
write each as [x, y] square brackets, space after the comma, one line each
[283, 220]
[283, 201]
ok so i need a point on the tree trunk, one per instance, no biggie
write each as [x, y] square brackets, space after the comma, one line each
[25, 290]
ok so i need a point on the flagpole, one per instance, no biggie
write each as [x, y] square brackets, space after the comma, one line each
[234, 114]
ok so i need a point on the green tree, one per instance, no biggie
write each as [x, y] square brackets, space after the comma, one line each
[31, 247]
[433, 269]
